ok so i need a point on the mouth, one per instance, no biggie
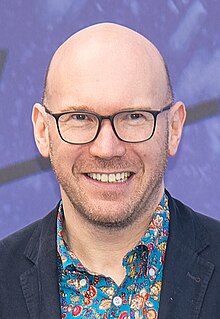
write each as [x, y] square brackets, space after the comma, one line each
[119, 177]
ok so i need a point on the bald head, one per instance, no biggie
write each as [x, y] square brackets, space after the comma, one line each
[107, 55]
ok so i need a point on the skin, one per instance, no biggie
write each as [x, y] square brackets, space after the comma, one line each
[107, 68]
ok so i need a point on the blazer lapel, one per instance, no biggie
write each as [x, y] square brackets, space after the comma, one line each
[30, 286]
[186, 273]
[40, 282]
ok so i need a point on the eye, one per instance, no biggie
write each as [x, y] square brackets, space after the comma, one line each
[71, 118]
[135, 116]
[134, 119]
[78, 120]
[79, 117]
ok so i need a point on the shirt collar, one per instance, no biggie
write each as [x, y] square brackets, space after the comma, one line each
[155, 237]
[159, 225]
[66, 255]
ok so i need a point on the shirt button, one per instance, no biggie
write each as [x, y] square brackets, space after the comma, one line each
[117, 301]
[152, 272]
[82, 282]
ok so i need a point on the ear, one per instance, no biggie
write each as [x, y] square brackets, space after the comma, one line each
[40, 129]
[177, 118]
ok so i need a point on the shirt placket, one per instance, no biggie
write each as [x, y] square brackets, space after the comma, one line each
[121, 301]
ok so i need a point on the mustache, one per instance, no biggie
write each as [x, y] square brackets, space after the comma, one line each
[103, 164]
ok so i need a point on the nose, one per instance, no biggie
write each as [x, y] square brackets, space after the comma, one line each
[107, 145]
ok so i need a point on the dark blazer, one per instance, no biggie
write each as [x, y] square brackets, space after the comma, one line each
[191, 280]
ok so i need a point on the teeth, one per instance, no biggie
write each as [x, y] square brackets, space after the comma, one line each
[110, 178]
[118, 175]
[104, 178]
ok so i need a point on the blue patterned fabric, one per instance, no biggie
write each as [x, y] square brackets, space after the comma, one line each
[86, 295]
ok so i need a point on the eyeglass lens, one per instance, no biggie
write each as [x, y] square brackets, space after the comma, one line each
[82, 128]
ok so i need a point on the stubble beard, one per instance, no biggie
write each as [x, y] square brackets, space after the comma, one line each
[142, 202]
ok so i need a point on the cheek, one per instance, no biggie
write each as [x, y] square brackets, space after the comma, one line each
[147, 151]
[64, 155]
[153, 153]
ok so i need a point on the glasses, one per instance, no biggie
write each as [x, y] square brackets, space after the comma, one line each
[132, 126]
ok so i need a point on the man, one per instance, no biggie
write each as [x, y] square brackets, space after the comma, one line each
[117, 245]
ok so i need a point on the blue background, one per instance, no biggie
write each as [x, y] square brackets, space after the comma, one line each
[187, 34]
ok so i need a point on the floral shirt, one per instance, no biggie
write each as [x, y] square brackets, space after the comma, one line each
[87, 295]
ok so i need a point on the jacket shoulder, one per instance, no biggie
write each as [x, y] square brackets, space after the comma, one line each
[196, 230]
[207, 221]
[15, 244]
[22, 256]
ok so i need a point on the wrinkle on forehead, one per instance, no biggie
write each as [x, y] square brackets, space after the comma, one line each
[107, 51]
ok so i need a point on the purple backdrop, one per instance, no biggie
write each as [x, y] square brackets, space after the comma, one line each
[186, 32]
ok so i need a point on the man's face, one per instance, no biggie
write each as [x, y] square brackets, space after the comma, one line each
[105, 86]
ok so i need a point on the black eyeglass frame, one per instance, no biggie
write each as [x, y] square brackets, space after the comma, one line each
[110, 118]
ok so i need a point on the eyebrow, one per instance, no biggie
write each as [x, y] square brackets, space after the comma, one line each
[86, 108]
[77, 108]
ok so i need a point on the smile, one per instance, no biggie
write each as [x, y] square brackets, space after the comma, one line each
[110, 178]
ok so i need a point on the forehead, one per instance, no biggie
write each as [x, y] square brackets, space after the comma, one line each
[106, 73]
